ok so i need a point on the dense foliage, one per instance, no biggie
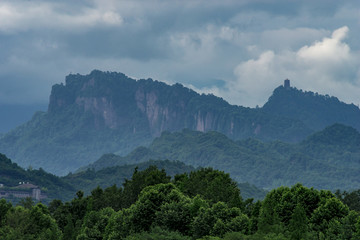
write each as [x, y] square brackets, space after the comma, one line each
[116, 175]
[64, 188]
[322, 160]
[152, 206]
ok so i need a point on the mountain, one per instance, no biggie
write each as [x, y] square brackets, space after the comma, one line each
[318, 161]
[337, 143]
[315, 110]
[106, 112]
[337, 136]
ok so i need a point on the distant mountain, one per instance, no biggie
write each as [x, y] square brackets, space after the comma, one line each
[315, 110]
[106, 177]
[12, 115]
[337, 143]
[338, 136]
[318, 161]
[109, 112]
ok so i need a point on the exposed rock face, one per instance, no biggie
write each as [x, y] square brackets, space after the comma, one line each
[100, 108]
[106, 112]
[158, 107]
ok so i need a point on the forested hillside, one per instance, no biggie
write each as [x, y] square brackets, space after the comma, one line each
[315, 110]
[64, 188]
[54, 187]
[322, 160]
[204, 204]
[116, 175]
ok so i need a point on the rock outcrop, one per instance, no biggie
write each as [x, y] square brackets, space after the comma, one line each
[106, 112]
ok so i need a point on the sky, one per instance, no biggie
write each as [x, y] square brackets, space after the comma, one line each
[240, 50]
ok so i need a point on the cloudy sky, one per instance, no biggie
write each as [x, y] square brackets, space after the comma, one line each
[240, 50]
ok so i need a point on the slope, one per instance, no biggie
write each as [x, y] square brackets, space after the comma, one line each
[54, 187]
[314, 162]
[315, 110]
[116, 175]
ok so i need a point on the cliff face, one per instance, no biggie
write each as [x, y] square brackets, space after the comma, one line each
[117, 102]
[106, 112]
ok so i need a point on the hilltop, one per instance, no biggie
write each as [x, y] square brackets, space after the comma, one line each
[315, 110]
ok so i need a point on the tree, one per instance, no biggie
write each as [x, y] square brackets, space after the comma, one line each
[352, 199]
[4, 208]
[95, 223]
[34, 223]
[175, 215]
[27, 202]
[41, 224]
[157, 233]
[151, 199]
[298, 224]
[219, 219]
[212, 185]
[118, 226]
[140, 180]
[331, 209]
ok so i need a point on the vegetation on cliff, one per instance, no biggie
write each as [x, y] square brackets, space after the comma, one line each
[315, 110]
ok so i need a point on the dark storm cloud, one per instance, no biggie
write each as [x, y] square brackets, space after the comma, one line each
[193, 42]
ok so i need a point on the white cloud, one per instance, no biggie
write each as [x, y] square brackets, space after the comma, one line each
[23, 16]
[328, 50]
[327, 66]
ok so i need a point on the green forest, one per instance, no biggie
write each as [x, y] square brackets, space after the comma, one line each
[202, 204]
[320, 161]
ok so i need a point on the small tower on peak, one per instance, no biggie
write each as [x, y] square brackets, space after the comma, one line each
[287, 84]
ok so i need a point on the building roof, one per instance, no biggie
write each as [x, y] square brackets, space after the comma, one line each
[27, 185]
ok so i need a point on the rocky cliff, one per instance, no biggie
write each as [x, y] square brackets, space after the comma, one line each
[117, 102]
[105, 112]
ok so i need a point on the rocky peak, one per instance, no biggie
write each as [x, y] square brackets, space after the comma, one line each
[315, 110]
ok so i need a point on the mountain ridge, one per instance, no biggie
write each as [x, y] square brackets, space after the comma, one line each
[108, 112]
[315, 110]
[104, 112]
[314, 162]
